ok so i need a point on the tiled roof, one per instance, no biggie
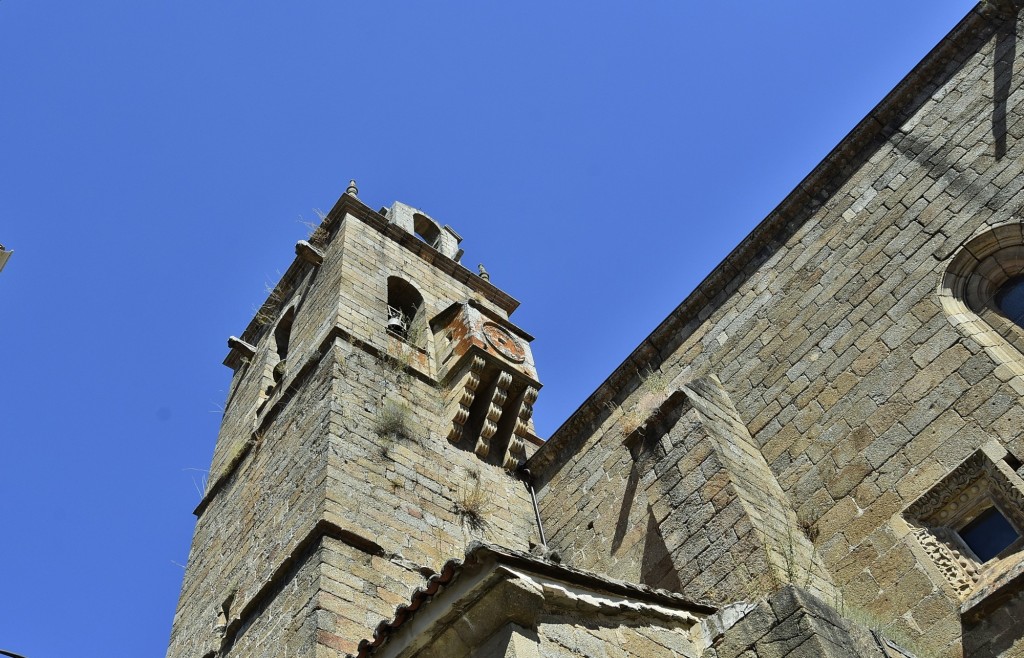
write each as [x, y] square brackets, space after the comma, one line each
[478, 552]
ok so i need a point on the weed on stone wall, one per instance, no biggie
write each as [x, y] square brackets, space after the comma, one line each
[647, 398]
[394, 372]
[472, 503]
[317, 235]
[276, 296]
[393, 423]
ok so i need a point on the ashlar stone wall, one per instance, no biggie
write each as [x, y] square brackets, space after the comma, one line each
[794, 624]
[333, 489]
[827, 330]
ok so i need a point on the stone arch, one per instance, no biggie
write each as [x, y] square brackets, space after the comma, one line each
[970, 284]
[282, 343]
[427, 230]
[406, 313]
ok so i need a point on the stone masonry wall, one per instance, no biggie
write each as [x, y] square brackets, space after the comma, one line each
[794, 624]
[688, 504]
[567, 637]
[834, 346]
[284, 623]
[320, 517]
[416, 497]
[260, 514]
[362, 308]
[996, 635]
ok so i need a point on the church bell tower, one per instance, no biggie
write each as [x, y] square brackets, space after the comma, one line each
[379, 411]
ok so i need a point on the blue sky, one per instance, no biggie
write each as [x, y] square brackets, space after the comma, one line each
[156, 159]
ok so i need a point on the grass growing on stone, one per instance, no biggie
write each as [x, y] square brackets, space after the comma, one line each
[472, 503]
[393, 419]
[647, 398]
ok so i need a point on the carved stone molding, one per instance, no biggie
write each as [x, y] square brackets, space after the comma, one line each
[489, 427]
[462, 400]
[980, 482]
[942, 547]
[515, 454]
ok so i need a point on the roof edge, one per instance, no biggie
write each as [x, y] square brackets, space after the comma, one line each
[483, 560]
[790, 214]
[349, 204]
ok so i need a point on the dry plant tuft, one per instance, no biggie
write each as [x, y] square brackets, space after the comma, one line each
[276, 295]
[648, 397]
[317, 235]
[394, 371]
[473, 503]
[393, 423]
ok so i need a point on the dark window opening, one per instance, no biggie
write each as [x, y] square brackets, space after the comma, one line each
[1010, 300]
[427, 230]
[989, 534]
[282, 341]
[283, 334]
[404, 310]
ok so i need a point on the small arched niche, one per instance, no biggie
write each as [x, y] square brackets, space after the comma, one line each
[427, 230]
[405, 313]
[282, 342]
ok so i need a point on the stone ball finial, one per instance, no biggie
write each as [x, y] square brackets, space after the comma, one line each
[483, 272]
[352, 189]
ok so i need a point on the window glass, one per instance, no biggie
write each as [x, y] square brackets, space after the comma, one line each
[988, 534]
[1010, 299]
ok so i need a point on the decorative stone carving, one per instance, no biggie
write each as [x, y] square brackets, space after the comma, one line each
[494, 409]
[515, 454]
[980, 481]
[942, 548]
[504, 343]
[491, 401]
[463, 400]
[929, 508]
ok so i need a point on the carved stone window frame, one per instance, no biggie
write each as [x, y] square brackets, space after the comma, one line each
[976, 272]
[982, 481]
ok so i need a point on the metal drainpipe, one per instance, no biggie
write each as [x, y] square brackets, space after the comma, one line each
[528, 479]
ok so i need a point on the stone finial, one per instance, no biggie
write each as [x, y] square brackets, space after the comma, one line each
[483, 272]
[352, 189]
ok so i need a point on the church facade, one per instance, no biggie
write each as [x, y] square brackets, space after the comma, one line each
[818, 453]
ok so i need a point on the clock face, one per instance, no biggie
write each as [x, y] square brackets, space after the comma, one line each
[505, 343]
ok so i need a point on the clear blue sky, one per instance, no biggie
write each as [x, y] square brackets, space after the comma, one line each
[156, 158]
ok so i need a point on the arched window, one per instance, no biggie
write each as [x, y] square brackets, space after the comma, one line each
[405, 311]
[427, 230]
[282, 340]
[1010, 300]
[982, 293]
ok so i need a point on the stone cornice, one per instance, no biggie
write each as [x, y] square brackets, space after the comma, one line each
[350, 205]
[307, 257]
[494, 585]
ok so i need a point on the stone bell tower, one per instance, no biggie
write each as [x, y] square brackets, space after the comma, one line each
[379, 409]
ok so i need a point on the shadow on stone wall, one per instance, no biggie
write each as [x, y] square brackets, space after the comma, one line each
[1005, 54]
[657, 568]
[998, 632]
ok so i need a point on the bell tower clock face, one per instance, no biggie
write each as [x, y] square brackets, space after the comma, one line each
[504, 343]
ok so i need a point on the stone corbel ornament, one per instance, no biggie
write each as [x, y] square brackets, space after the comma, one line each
[462, 400]
[499, 394]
